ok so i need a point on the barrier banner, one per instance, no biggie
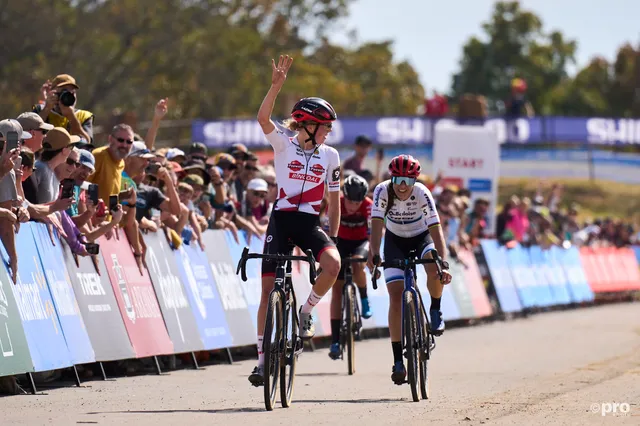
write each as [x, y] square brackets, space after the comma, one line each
[576, 279]
[378, 301]
[235, 305]
[625, 268]
[538, 274]
[64, 298]
[533, 293]
[475, 285]
[42, 327]
[459, 290]
[174, 304]
[559, 284]
[636, 251]
[136, 299]
[203, 297]
[596, 269]
[14, 350]
[253, 286]
[496, 257]
[98, 306]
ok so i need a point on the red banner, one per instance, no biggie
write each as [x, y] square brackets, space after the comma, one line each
[136, 299]
[475, 285]
[610, 269]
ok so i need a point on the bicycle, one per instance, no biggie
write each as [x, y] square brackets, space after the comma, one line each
[351, 320]
[418, 342]
[281, 345]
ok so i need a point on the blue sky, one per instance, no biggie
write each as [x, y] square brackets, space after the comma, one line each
[431, 33]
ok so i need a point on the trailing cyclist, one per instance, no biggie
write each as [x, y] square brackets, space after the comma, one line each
[303, 166]
[412, 223]
[353, 241]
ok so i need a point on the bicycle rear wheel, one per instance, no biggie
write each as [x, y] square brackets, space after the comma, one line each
[411, 343]
[348, 315]
[272, 349]
[289, 358]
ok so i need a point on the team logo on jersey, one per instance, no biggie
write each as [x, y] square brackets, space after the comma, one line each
[413, 197]
[336, 174]
[296, 166]
[302, 176]
[270, 238]
[317, 169]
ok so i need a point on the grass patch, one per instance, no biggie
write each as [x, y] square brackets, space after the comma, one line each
[596, 199]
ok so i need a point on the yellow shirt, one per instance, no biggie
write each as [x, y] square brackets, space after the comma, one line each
[108, 174]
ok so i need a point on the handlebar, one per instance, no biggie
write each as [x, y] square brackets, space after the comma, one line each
[242, 264]
[403, 264]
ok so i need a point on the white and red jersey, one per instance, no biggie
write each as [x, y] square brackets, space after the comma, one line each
[301, 175]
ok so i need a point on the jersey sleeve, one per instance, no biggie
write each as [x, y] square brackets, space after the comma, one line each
[333, 172]
[368, 204]
[278, 140]
[428, 207]
[379, 201]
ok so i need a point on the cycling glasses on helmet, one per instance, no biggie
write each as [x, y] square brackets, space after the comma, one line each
[400, 179]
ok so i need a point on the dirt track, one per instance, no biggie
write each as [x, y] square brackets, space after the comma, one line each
[548, 369]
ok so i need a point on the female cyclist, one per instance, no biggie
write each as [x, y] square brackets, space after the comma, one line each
[353, 240]
[303, 164]
[412, 223]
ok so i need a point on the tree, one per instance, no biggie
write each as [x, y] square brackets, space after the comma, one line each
[514, 45]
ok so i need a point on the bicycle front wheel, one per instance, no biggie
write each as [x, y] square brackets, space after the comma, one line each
[411, 343]
[289, 358]
[272, 349]
[349, 314]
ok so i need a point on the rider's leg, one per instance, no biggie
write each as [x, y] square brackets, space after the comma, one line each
[435, 291]
[395, 289]
[336, 310]
[330, 264]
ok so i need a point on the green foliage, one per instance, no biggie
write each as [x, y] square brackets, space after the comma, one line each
[212, 58]
[515, 44]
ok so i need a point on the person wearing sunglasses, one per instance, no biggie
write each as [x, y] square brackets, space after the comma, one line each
[405, 209]
[110, 160]
[305, 167]
[256, 208]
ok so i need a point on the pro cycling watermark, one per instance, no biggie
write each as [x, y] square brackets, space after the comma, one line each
[611, 408]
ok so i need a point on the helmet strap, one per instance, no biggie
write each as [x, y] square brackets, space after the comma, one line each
[312, 135]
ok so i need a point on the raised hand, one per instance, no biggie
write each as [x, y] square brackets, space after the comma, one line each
[161, 108]
[279, 71]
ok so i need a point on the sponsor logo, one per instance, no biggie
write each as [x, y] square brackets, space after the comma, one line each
[302, 176]
[317, 169]
[413, 197]
[270, 238]
[296, 166]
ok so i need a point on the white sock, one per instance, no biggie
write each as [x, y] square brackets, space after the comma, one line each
[312, 301]
[260, 353]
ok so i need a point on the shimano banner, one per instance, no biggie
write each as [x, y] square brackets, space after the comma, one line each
[98, 306]
[64, 298]
[203, 296]
[233, 300]
[14, 350]
[177, 312]
[420, 130]
[47, 346]
[136, 299]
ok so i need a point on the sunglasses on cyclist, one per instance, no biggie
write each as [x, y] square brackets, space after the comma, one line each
[402, 179]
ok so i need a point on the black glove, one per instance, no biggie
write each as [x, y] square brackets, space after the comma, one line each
[445, 265]
[376, 259]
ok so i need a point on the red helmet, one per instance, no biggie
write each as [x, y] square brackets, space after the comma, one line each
[313, 109]
[404, 165]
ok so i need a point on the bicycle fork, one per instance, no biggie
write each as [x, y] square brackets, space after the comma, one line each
[409, 286]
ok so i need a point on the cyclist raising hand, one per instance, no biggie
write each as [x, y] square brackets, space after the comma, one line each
[412, 223]
[303, 166]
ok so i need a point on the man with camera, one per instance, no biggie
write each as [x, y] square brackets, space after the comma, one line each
[59, 108]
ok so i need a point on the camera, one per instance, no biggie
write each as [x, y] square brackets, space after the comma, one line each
[67, 98]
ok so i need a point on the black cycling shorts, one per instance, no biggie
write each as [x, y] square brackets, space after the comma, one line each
[293, 228]
[351, 248]
[398, 248]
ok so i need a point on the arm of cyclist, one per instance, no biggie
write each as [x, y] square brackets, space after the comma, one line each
[278, 77]
[334, 213]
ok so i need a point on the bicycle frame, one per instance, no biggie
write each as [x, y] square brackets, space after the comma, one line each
[409, 286]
